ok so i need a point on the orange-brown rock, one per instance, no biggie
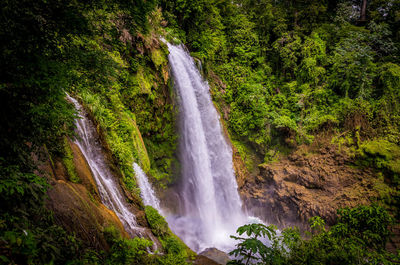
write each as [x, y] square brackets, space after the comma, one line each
[298, 187]
[83, 170]
[77, 206]
[78, 213]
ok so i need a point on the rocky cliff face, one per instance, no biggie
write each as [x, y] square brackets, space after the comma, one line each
[298, 187]
[77, 206]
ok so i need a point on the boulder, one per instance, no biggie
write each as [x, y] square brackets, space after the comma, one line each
[216, 255]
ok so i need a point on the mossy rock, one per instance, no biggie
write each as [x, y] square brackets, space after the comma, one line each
[157, 222]
[140, 147]
[145, 81]
[83, 171]
[158, 57]
[381, 148]
[175, 248]
[68, 161]
[383, 155]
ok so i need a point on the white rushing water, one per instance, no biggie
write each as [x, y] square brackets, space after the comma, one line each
[212, 209]
[146, 190]
[111, 196]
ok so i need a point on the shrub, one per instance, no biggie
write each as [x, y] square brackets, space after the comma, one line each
[359, 237]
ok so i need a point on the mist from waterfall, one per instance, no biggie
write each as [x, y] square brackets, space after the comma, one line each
[211, 207]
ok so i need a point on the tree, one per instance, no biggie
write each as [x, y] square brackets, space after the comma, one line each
[363, 12]
[358, 238]
[252, 249]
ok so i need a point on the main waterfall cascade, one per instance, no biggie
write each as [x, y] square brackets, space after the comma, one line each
[212, 209]
[110, 193]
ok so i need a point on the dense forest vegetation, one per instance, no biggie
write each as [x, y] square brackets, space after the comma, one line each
[282, 73]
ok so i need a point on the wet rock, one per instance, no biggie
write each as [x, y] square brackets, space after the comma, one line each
[78, 213]
[203, 260]
[83, 170]
[141, 218]
[216, 255]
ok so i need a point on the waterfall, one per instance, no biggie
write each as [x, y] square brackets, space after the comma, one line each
[212, 209]
[146, 190]
[111, 196]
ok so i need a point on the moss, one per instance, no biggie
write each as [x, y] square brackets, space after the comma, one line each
[176, 250]
[157, 222]
[245, 153]
[140, 147]
[158, 57]
[380, 148]
[382, 155]
[163, 161]
[394, 165]
[145, 81]
[68, 161]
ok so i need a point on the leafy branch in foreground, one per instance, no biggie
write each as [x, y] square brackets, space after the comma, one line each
[359, 237]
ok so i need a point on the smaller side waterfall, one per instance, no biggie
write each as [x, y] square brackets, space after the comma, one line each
[146, 190]
[111, 196]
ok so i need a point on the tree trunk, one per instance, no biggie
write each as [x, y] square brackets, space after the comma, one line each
[363, 13]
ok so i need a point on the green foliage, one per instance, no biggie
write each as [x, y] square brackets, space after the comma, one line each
[129, 251]
[28, 233]
[317, 224]
[359, 237]
[134, 251]
[318, 120]
[176, 251]
[126, 251]
[157, 222]
[353, 69]
[368, 223]
[383, 155]
[288, 49]
[251, 249]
